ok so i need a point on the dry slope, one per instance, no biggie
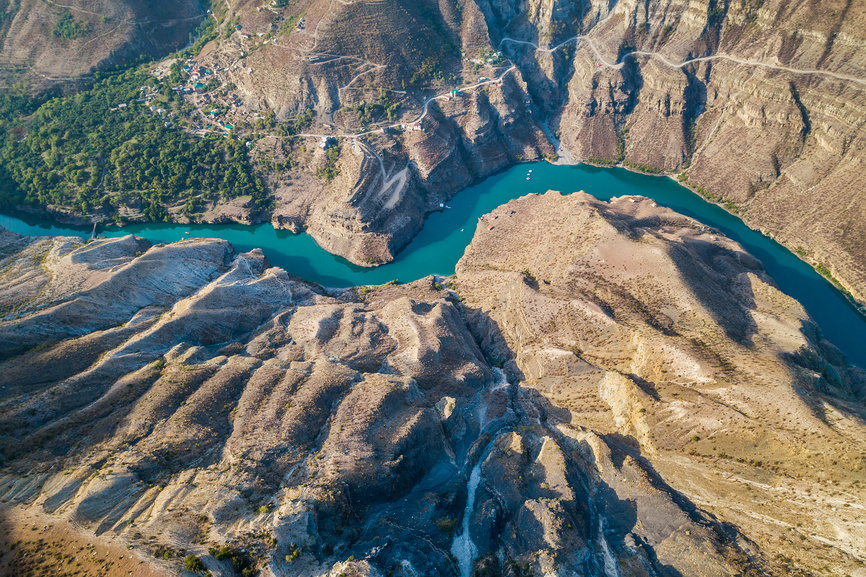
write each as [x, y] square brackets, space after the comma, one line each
[662, 409]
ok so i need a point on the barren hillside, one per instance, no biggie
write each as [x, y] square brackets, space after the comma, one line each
[43, 42]
[645, 402]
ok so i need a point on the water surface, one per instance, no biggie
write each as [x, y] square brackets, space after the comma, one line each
[445, 235]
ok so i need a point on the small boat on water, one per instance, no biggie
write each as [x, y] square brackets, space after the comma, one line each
[186, 233]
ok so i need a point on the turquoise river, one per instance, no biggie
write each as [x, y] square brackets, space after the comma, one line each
[440, 244]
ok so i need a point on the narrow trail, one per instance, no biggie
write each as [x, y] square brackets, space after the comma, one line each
[619, 65]
[374, 68]
[75, 8]
[388, 180]
[424, 112]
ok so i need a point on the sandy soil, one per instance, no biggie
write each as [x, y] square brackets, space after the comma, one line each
[34, 544]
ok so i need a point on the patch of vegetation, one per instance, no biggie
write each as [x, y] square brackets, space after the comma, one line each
[667, 32]
[163, 552]
[388, 106]
[643, 28]
[9, 13]
[715, 13]
[330, 170]
[446, 524]
[601, 161]
[206, 31]
[289, 24]
[301, 122]
[241, 562]
[730, 206]
[642, 167]
[193, 563]
[825, 272]
[69, 28]
[293, 556]
[86, 152]
[433, 67]
[624, 48]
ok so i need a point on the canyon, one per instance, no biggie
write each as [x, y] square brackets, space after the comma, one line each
[645, 403]
[757, 105]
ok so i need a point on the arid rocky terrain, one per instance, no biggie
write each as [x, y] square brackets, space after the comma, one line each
[100, 33]
[756, 104]
[601, 389]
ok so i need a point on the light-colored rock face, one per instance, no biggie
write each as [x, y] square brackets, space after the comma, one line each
[655, 386]
[644, 326]
[759, 104]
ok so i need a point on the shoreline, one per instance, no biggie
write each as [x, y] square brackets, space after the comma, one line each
[85, 224]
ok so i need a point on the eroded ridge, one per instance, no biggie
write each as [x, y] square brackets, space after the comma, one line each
[603, 388]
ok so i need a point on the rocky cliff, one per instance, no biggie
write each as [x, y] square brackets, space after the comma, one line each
[755, 104]
[603, 389]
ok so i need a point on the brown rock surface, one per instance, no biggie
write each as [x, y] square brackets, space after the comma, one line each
[662, 407]
[116, 31]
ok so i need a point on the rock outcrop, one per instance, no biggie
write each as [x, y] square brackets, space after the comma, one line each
[604, 388]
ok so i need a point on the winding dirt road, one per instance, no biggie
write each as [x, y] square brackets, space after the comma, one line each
[618, 65]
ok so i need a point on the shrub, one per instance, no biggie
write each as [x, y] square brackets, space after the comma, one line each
[446, 524]
[69, 28]
[193, 563]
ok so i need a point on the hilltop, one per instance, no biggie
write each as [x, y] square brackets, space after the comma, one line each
[45, 42]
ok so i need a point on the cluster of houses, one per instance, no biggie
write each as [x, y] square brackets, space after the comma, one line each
[414, 126]
[195, 71]
[494, 58]
[196, 89]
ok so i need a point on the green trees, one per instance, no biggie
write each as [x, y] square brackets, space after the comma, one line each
[193, 563]
[330, 170]
[68, 27]
[87, 151]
